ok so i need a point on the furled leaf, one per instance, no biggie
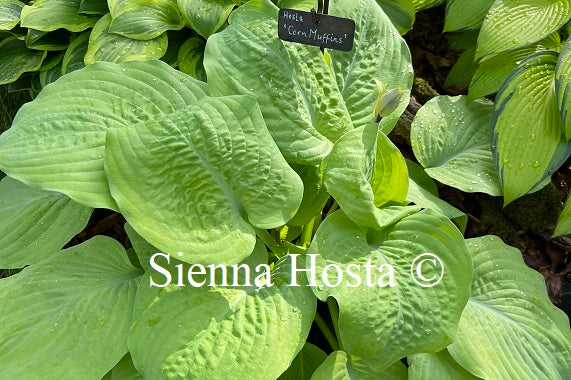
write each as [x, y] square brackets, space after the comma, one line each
[563, 86]
[315, 194]
[49, 15]
[465, 14]
[205, 16]
[342, 366]
[378, 53]
[244, 326]
[144, 19]
[463, 69]
[305, 363]
[420, 5]
[78, 301]
[512, 23]
[564, 222]
[401, 13]
[408, 307]
[111, 47]
[527, 139]
[10, 13]
[510, 329]
[190, 56]
[16, 59]
[75, 53]
[451, 139]
[365, 171]
[35, 223]
[38, 40]
[93, 7]
[57, 141]
[220, 146]
[297, 93]
[439, 366]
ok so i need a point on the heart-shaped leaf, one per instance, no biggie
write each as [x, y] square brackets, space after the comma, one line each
[10, 13]
[49, 15]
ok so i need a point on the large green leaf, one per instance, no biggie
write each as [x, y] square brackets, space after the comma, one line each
[401, 13]
[226, 177]
[409, 307]
[342, 366]
[16, 59]
[512, 23]
[223, 332]
[563, 86]
[365, 171]
[305, 363]
[35, 223]
[10, 13]
[564, 222]
[378, 53]
[295, 88]
[527, 140]
[111, 47]
[451, 139]
[463, 70]
[49, 15]
[57, 141]
[439, 366]
[75, 53]
[68, 316]
[465, 14]
[510, 329]
[144, 19]
[205, 16]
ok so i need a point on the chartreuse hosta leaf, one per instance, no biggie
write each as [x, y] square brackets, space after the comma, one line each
[220, 146]
[78, 301]
[341, 366]
[16, 59]
[315, 194]
[144, 19]
[513, 23]
[305, 363]
[73, 58]
[378, 53]
[205, 16]
[492, 72]
[68, 121]
[365, 171]
[142, 248]
[563, 87]
[439, 366]
[10, 13]
[49, 15]
[111, 47]
[465, 14]
[35, 223]
[415, 318]
[451, 139]
[401, 13]
[124, 370]
[420, 5]
[527, 139]
[223, 332]
[510, 329]
[564, 222]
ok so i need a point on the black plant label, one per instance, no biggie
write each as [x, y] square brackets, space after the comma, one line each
[316, 29]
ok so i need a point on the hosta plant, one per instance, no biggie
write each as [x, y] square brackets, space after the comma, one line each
[276, 163]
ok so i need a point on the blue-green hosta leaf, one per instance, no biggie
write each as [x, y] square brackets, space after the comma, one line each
[342, 366]
[510, 329]
[365, 171]
[563, 226]
[57, 141]
[420, 5]
[305, 363]
[75, 53]
[223, 332]
[226, 178]
[563, 87]
[465, 14]
[463, 69]
[492, 72]
[401, 13]
[34, 223]
[439, 366]
[378, 53]
[190, 57]
[111, 47]
[93, 7]
[49, 15]
[144, 19]
[297, 93]
[16, 59]
[78, 301]
[527, 140]
[512, 23]
[205, 16]
[414, 318]
[451, 139]
[10, 13]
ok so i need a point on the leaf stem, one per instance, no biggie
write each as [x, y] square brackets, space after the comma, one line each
[332, 209]
[326, 332]
[279, 250]
[307, 233]
[334, 311]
